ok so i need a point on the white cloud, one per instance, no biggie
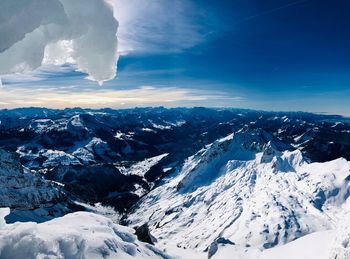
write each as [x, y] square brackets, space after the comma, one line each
[156, 25]
[58, 31]
[84, 32]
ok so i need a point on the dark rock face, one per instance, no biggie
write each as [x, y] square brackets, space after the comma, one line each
[98, 183]
[213, 248]
[22, 189]
[143, 234]
[28, 195]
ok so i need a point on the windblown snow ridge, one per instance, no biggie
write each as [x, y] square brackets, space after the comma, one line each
[76, 235]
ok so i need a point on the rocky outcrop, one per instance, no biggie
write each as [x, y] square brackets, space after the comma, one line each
[22, 189]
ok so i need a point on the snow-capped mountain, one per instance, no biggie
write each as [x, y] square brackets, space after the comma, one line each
[240, 190]
[48, 138]
[195, 182]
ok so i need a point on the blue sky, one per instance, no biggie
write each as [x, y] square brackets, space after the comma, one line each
[260, 54]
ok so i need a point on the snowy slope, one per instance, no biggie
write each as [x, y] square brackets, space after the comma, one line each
[242, 189]
[328, 244]
[341, 243]
[76, 235]
[142, 167]
[313, 246]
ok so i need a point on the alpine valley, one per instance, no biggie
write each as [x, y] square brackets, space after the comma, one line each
[174, 183]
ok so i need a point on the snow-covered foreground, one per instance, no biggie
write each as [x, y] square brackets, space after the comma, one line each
[329, 244]
[242, 194]
[88, 235]
[313, 246]
[76, 235]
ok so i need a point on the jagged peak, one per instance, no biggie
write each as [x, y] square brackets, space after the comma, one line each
[204, 166]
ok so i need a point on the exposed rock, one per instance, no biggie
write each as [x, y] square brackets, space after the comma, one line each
[143, 234]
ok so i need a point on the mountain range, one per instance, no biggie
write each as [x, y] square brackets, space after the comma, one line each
[200, 182]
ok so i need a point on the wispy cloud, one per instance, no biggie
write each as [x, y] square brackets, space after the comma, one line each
[157, 25]
[40, 74]
[49, 77]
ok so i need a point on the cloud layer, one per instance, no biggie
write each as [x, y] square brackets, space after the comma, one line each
[64, 97]
[83, 32]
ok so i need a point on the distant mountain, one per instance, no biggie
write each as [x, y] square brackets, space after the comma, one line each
[72, 146]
